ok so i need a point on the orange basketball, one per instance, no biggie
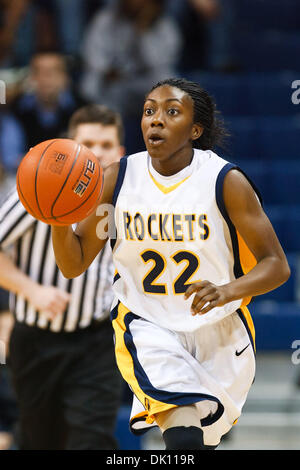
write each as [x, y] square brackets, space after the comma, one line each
[59, 182]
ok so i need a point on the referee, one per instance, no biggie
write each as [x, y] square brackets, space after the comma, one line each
[61, 353]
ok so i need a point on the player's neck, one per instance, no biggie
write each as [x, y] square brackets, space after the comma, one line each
[174, 163]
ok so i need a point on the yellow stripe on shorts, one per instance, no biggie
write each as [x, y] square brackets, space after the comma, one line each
[126, 365]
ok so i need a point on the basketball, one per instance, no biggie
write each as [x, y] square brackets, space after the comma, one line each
[59, 182]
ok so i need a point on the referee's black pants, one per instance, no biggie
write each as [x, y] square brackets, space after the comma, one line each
[68, 387]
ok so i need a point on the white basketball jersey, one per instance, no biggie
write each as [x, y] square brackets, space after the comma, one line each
[171, 232]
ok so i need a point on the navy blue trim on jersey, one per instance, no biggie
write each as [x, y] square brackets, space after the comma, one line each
[174, 398]
[120, 179]
[242, 317]
[254, 187]
[116, 277]
[114, 312]
[237, 269]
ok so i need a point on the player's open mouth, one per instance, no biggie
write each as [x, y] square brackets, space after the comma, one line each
[155, 139]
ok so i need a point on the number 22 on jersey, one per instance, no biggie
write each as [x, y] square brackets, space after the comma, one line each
[159, 265]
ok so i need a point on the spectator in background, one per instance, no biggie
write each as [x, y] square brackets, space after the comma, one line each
[45, 107]
[206, 27]
[12, 146]
[26, 26]
[11, 14]
[30, 25]
[128, 46]
[192, 18]
[71, 18]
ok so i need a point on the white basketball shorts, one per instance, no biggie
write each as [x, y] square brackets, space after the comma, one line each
[212, 368]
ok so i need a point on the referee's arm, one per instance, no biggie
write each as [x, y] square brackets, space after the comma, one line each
[14, 223]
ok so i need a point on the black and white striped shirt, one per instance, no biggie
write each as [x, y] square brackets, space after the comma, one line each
[28, 242]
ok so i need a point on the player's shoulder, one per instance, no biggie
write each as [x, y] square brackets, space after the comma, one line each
[211, 155]
[232, 179]
[222, 169]
[114, 175]
[114, 170]
[133, 162]
[138, 156]
[209, 161]
[131, 165]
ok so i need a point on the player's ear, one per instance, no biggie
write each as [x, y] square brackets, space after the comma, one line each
[197, 131]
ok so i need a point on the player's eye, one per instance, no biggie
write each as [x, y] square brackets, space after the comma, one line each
[148, 111]
[173, 111]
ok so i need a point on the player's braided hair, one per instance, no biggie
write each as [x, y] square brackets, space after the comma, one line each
[205, 113]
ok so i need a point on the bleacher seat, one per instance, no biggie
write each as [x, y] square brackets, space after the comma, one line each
[267, 51]
[244, 138]
[286, 222]
[227, 90]
[280, 137]
[268, 14]
[292, 238]
[288, 292]
[277, 324]
[270, 94]
[277, 181]
[250, 94]
[284, 182]
[265, 138]
[277, 216]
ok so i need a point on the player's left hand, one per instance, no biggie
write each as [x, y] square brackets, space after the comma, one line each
[208, 296]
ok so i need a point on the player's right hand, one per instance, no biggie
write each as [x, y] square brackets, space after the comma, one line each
[50, 300]
[207, 296]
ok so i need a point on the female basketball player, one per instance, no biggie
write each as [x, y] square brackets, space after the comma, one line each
[193, 245]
